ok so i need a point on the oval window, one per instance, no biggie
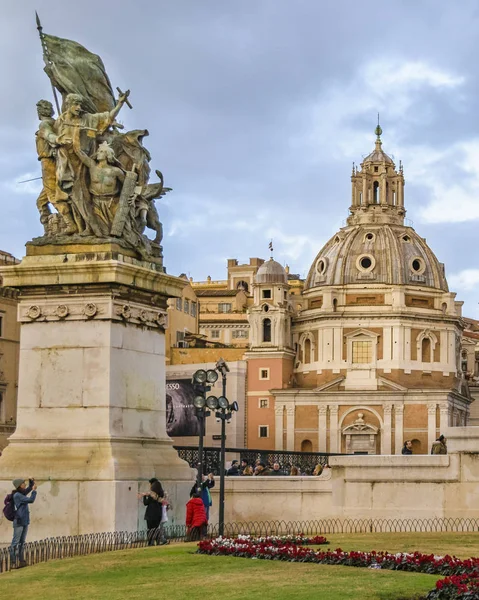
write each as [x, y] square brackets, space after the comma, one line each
[366, 262]
[417, 265]
[370, 236]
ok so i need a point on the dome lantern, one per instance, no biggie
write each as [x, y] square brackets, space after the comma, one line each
[377, 189]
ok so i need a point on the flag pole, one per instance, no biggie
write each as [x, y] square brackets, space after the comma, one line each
[46, 58]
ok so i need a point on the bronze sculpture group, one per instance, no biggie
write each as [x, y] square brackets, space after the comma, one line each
[95, 178]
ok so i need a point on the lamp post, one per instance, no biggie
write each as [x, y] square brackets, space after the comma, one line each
[200, 380]
[224, 413]
[223, 410]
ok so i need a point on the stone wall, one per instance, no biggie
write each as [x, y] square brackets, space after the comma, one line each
[377, 487]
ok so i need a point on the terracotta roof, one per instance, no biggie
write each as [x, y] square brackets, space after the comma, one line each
[216, 292]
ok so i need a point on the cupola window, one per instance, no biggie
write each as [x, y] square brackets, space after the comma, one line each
[267, 330]
[376, 192]
[321, 266]
[417, 265]
[369, 237]
[266, 294]
[365, 262]
[406, 238]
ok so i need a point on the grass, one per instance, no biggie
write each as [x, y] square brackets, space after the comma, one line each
[175, 572]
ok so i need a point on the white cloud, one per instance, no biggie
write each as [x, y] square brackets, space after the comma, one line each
[388, 86]
[456, 201]
[468, 279]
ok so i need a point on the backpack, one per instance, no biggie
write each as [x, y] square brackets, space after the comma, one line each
[9, 508]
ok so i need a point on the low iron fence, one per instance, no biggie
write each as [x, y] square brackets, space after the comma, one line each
[81, 545]
[305, 461]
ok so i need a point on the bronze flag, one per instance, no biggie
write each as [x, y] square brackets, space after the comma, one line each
[72, 69]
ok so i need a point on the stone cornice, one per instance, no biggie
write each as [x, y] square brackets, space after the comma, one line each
[80, 270]
[342, 318]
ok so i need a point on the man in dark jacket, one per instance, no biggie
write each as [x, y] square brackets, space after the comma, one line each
[234, 469]
[407, 448]
[21, 521]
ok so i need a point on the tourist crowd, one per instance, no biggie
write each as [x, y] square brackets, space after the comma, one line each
[261, 468]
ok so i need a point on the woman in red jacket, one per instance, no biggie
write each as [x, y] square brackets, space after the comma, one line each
[196, 521]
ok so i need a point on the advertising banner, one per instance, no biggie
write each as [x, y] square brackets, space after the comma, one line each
[181, 419]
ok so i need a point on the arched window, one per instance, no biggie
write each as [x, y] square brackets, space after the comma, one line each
[266, 330]
[360, 197]
[306, 446]
[426, 350]
[307, 351]
[376, 192]
[335, 304]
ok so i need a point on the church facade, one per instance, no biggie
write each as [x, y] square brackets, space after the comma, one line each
[371, 356]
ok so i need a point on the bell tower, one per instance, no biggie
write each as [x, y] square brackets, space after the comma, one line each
[270, 356]
[377, 189]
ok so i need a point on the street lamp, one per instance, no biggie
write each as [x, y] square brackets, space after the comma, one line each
[224, 409]
[200, 379]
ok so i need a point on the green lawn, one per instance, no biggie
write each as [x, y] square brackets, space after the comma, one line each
[175, 572]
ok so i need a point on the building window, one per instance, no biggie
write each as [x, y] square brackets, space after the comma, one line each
[1, 326]
[266, 294]
[2, 407]
[376, 192]
[240, 334]
[193, 309]
[264, 373]
[267, 330]
[215, 334]
[307, 351]
[263, 431]
[178, 304]
[264, 403]
[224, 307]
[362, 352]
[180, 340]
[186, 306]
[426, 350]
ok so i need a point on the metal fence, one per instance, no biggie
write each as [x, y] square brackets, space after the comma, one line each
[91, 543]
[81, 545]
[348, 526]
[305, 461]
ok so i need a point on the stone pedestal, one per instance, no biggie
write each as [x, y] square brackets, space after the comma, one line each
[91, 398]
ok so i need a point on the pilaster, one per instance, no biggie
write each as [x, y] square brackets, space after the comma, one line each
[431, 423]
[333, 428]
[386, 432]
[278, 421]
[398, 428]
[290, 410]
[322, 428]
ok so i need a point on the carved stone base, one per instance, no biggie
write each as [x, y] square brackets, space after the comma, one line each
[149, 252]
[91, 425]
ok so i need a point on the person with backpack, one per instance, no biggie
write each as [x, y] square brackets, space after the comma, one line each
[16, 506]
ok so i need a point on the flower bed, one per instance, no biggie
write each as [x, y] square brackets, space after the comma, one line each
[461, 576]
[275, 540]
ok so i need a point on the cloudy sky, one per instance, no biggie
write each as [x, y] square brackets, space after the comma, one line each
[256, 110]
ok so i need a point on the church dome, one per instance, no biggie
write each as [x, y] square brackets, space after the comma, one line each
[378, 254]
[271, 272]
